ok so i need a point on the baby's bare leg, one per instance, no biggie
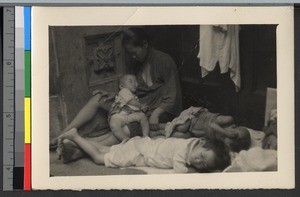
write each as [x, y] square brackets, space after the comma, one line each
[224, 120]
[116, 125]
[183, 128]
[142, 119]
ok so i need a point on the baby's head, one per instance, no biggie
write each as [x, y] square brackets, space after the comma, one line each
[241, 142]
[211, 156]
[128, 81]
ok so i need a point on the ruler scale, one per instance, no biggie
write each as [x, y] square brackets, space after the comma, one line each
[8, 96]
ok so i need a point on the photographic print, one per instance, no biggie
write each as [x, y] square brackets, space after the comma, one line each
[171, 99]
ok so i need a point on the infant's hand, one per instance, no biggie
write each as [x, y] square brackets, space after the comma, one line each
[145, 108]
[231, 134]
[97, 92]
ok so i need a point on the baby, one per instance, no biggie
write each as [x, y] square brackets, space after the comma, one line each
[127, 109]
[182, 155]
[199, 122]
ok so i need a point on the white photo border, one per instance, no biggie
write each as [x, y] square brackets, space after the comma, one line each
[43, 17]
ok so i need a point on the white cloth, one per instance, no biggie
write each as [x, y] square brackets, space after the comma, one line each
[220, 43]
[185, 115]
[254, 159]
[256, 137]
[160, 153]
[124, 96]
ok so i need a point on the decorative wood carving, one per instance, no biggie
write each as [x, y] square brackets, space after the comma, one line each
[105, 58]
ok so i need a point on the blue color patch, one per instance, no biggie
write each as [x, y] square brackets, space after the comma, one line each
[27, 28]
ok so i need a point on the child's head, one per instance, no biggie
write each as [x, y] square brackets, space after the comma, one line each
[209, 157]
[242, 142]
[129, 82]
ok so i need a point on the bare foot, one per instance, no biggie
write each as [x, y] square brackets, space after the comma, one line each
[69, 134]
[68, 151]
[53, 144]
[66, 135]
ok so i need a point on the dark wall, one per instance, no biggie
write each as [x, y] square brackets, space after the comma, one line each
[216, 91]
[69, 89]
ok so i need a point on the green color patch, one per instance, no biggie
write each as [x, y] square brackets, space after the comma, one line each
[27, 74]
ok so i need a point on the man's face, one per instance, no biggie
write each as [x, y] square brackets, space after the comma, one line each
[138, 53]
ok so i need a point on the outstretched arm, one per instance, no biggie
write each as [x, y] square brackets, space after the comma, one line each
[219, 131]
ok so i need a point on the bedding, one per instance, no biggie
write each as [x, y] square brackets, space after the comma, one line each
[254, 159]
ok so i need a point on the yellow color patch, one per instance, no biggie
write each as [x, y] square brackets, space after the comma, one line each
[27, 114]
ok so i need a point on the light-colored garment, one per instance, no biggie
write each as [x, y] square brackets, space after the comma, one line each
[160, 153]
[256, 138]
[124, 96]
[254, 159]
[185, 115]
[121, 107]
[220, 43]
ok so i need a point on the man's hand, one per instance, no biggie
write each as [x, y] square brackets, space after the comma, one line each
[154, 119]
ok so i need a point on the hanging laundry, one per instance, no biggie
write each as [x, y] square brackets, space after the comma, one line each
[220, 43]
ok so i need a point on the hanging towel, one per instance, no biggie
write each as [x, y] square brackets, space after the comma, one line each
[220, 43]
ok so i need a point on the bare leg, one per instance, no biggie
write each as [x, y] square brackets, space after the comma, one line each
[142, 119]
[69, 151]
[185, 135]
[86, 113]
[89, 148]
[89, 111]
[224, 120]
[183, 128]
[116, 124]
[157, 133]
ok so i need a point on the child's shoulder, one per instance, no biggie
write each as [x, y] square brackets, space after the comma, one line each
[125, 91]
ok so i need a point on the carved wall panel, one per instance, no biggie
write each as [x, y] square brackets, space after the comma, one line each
[105, 60]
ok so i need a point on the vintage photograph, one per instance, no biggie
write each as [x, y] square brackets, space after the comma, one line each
[162, 99]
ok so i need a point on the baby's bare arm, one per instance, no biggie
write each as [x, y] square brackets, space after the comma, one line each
[135, 103]
[219, 131]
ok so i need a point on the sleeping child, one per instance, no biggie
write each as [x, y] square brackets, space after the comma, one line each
[181, 155]
[199, 122]
[127, 109]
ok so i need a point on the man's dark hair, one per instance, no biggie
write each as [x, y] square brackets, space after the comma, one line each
[222, 159]
[136, 36]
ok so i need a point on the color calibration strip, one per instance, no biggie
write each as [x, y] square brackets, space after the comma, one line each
[27, 46]
[19, 99]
